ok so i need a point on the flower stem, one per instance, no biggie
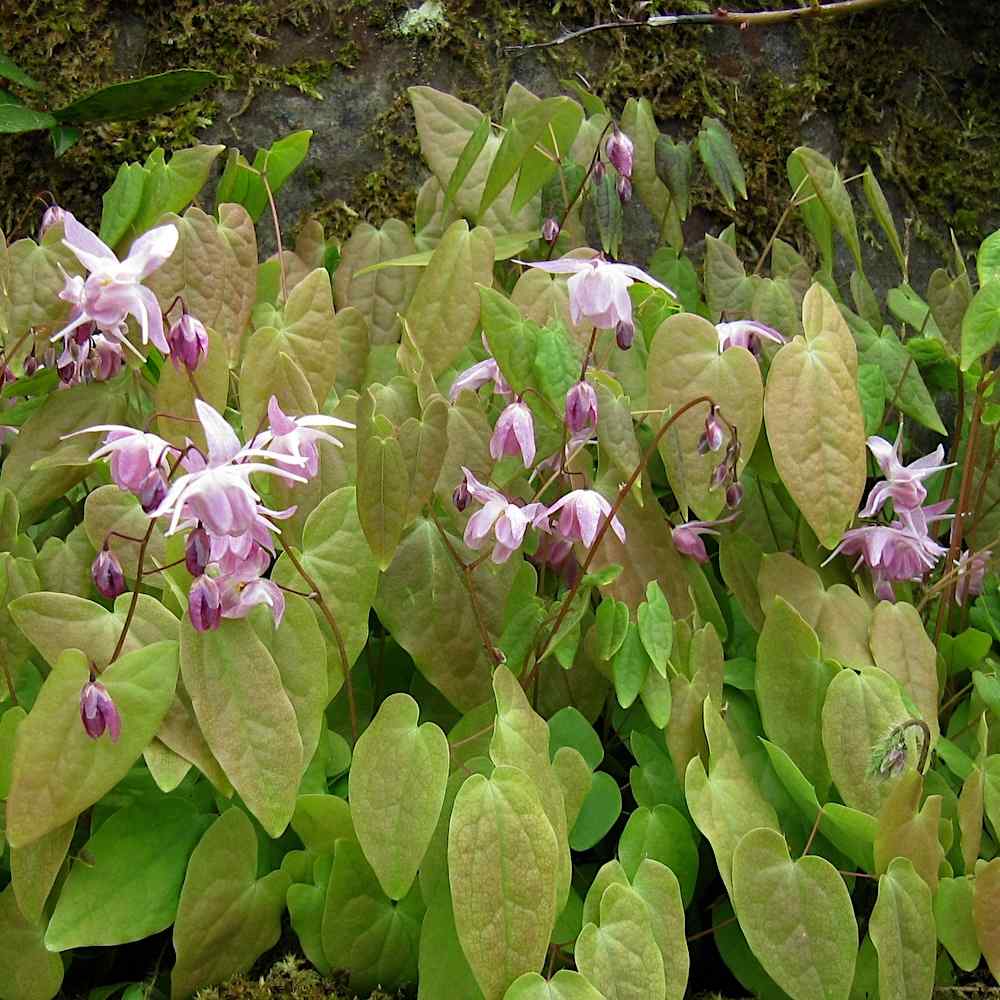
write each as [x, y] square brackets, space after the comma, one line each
[140, 559]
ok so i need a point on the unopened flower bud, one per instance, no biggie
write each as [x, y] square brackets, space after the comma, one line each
[205, 604]
[7, 376]
[98, 712]
[719, 475]
[188, 341]
[581, 407]
[152, 490]
[714, 434]
[624, 189]
[197, 551]
[620, 151]
[625, 334]
[52, 217]
[734, 496]
[460, 497]
[30, 364]
[550, 230]
[106, 572]
[599, 171]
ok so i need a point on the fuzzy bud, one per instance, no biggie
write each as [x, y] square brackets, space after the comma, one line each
[581, 407]
[205, 604]
[620, 152]
[98, 712]
[625, 334]
[550, 230]
[106, 572]
[188, 340]
[197, 551]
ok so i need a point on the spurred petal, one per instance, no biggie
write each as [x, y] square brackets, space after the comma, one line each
[88, 249]
[223, 444]
[149, 252]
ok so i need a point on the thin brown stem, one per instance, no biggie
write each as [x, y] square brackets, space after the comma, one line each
[317, 596]
[711, 930]
[469, 739]
[792, 203]
[277, 234]
[813, 832]
[956, 436]
[160, 569]
[140, 559]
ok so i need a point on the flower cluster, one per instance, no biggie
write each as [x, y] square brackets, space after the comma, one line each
[230, 532]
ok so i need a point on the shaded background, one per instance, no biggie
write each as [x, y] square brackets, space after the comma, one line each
[911, 88]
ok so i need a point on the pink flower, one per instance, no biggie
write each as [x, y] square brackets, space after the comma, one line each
[205, 604]
[197, 551]
[620, 151]
[98, 712]
[746, 333]
[598, 290]
[550, 230]
[247, 556]
[112, 290]
[239, 598]
[687, 537]
[581, 514]
[505, 520]
[106, 572]
[971, 573]
[134, 454]
[581, 407]
[188, 341]
[514, 434]
[474, 378]
[52, 216]
[714, 434]
[903, 483]
[296, 437]
[216, 490]
[108, 358]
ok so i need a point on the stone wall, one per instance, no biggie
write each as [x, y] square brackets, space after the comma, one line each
[910, 88]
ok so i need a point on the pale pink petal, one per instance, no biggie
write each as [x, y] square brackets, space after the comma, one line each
[88, 249]
[149, 252]
[223, 444]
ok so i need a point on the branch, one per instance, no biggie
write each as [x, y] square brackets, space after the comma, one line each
[720, 16]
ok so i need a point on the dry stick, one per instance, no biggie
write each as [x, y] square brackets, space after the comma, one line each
[332, 622]
[494, 654]
[623, 492]
[140, 559]
[720, 16]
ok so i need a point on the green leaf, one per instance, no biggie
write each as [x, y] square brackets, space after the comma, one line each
[880, 209]
[226, 917]
[397, 785]
[9, 70]
[629, 668]
[716, 149]
[797, 917]
[656, 627]
[64, 138]
[569, 728]
[58, 769]
[791, 682]
[122, 202]
[31, 972]
[278, 162]
[171, 187]
[564, 985]
[908, 829]
[15, 117]
[502, 860]
[980, 324]
[659, 888]
[663, 835]
[512, 339]
[444, 311]
[467, 159]
[673, 167]
[504, 247]
[832, 194]
[137, 99]
[620, 956]
[956, 929]
[902, 930]
[443, 968]
[599, 812]
[612, 627]
[814, 422]
[246, 716]
[34, 869]
[363, 931]
[639, 124]
[814, 215]
[986, 901]
[383, 489]
[130, 884]
[557, 364]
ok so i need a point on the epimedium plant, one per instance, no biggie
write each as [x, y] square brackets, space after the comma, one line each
[512, 617]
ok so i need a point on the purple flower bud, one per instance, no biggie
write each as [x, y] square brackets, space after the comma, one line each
[734, 496]
[624, 189]
[460, 498]
[106, 572]
[68, 373]
[30, 364]
[599, 171]
[625, 334]
[581, 407]
[714, 434]
[550, 230]
[7, 376]
[98, 712]
[514, 434]
[719, 475]
[52, 217]
[197, 551]
[83, 333]
[205, 604]
[188, 340]
[620, 151]
[152, 490]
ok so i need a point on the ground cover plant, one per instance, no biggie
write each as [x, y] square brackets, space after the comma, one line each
[500, 618]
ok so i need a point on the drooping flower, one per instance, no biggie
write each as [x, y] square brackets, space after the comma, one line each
[903, 484]
[247, 556]
[239, 598]
[197, 551]
[113, 289]
[580, 515]
[188, 342]
[746, 333]
[98, 712]
[687, 537]
[620, 150]
[296, 437]
[505, 520]
[581, 407]
[152, 490]
[734, 496]
[550, 230]
[204, 604]
[514, 434]
[482, 373]
[624, 187]
[216, 488]
[52, 216]
[625, 334]
[107, 358]
[106, 572]
[134, 454]
[714, 435]
[598, 289]
[971, 569]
